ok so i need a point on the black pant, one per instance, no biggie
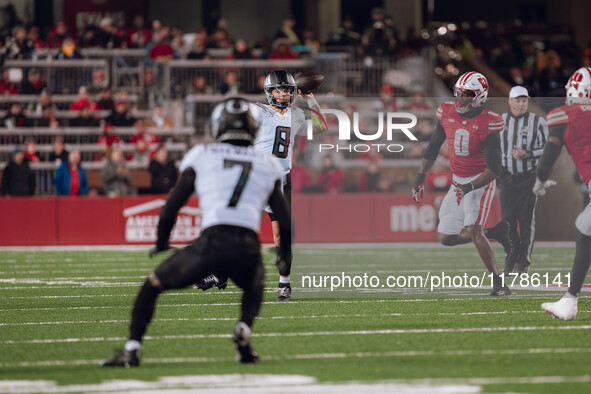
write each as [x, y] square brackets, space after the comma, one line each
[286, 193]
[518, 203]
[223, 250]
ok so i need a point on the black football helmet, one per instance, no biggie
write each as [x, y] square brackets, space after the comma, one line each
[235, 119]
[280, 79]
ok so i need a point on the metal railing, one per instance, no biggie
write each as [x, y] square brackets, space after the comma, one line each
[63, 76]
[79, 135]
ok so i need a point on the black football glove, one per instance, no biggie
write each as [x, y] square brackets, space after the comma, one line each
[418, 190]
[462, 190]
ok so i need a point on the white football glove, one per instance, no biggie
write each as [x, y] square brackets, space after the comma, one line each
[540, 187]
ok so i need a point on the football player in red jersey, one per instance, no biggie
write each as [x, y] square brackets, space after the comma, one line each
[472, 135]
[570, 125]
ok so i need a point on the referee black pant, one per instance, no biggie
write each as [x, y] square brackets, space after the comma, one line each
[518, 203]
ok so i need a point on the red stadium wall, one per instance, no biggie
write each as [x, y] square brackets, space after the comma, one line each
[132, 220]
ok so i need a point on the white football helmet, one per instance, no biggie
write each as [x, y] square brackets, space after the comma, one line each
[470, 91]
[578, 87]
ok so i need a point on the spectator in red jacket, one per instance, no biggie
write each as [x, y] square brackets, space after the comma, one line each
[282, 50]
[34, 36]
[108, 138]
[31, 151]
[139, 28]
[57, 35]
[142, 134]
[161, 51]
[300, 177]
[34, 83]
[83, 100]
[330, 178]
[7, 87]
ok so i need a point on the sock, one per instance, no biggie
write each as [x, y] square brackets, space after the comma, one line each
[132, 344]
[497, 282]
[581, 263]
[143, 310]
[568, 295]
[284, 281]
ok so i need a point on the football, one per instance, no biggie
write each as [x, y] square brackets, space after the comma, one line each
[308, 81]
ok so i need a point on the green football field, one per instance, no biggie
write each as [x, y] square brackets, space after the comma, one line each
[63, 311]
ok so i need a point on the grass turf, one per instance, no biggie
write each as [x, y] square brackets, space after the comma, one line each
[62, 311]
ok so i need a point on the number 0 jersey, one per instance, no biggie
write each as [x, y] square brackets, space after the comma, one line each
[277, 132]
[465, 138]
[233, 183]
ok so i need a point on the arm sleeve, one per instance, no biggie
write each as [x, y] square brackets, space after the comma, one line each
[175, 202]
[318, 120]
[281, 211]
[437, 139]
[551, 152]
[541, 138]
[492, 152]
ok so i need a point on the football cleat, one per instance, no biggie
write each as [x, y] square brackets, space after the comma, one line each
[124, 358]
[242, 342]
[563, 309]
[210, 281]
[501, 291]
[284, 293]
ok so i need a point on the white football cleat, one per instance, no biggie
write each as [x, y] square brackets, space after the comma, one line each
[563, 309]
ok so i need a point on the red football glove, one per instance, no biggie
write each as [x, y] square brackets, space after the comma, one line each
[418, 190]
[462, 190]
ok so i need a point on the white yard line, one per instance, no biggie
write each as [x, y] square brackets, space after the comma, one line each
[233, 318]
[308, 334]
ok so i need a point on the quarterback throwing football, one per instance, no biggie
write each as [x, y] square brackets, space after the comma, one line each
[280, 122]
[472, 135]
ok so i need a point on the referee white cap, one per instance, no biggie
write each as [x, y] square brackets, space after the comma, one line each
[518, 91]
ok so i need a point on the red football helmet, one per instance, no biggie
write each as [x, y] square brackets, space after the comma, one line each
[470, 91]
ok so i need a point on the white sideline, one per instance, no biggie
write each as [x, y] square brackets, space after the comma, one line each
[236, 384]
[316, 356]
[307, 334]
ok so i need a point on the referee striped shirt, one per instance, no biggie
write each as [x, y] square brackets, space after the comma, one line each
[528, 132]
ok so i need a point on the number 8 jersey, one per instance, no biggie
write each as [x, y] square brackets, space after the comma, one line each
[233, 183]
[465, 138]
[277, 132]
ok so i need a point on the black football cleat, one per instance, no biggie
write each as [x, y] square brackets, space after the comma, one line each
[284, 293]
[221, 282]
[501, 291]
[124, 358]
[242, 342]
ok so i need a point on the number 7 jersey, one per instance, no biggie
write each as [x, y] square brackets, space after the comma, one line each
[277, 132]
[465, 138]
[233, 183]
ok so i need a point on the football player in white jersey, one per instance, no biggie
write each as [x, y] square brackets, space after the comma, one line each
[234, 182]
[280, 123]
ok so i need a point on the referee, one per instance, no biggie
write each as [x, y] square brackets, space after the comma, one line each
[522, 143]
